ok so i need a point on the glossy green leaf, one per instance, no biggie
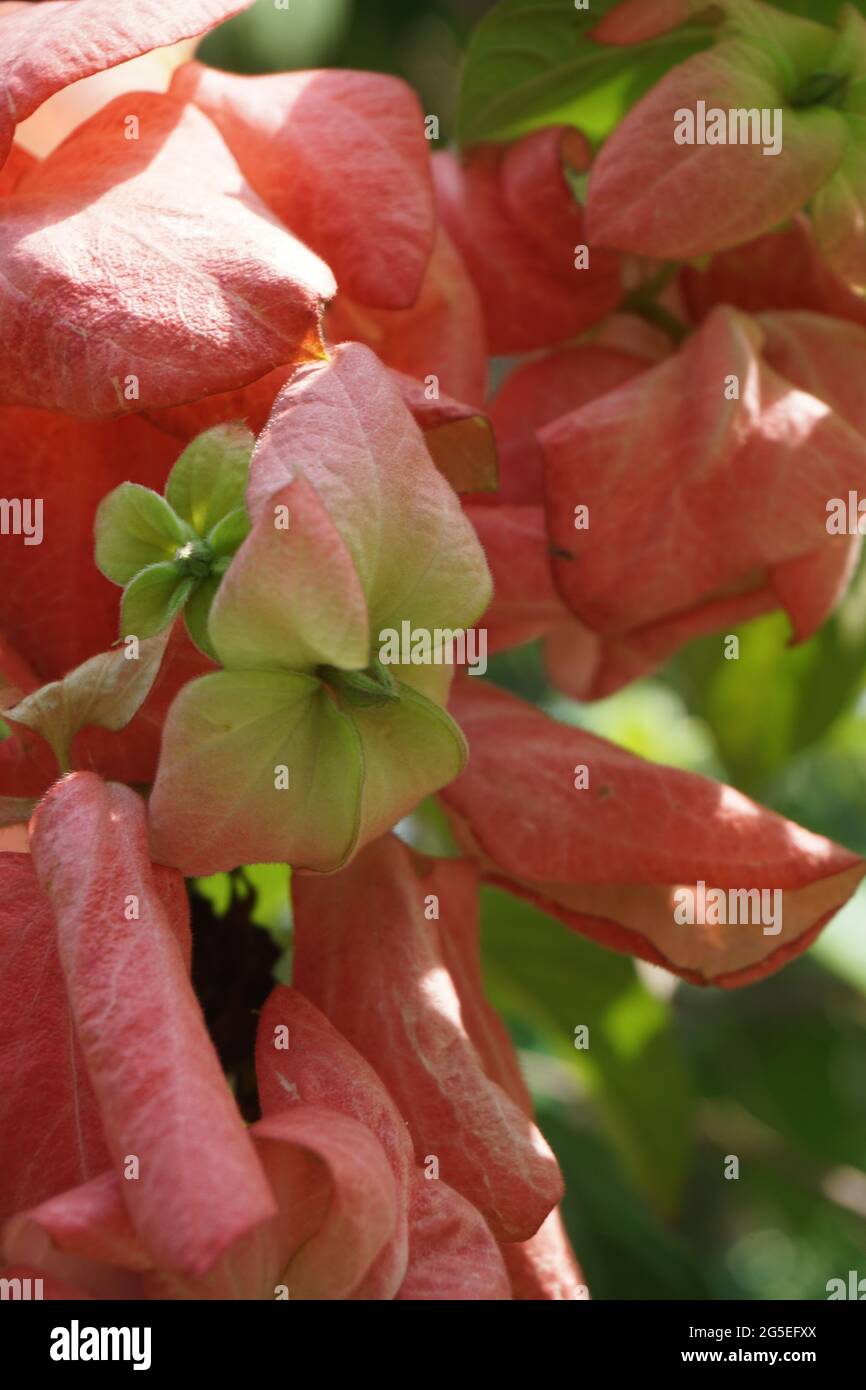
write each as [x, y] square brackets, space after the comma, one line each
[774, 700]
[531, 64]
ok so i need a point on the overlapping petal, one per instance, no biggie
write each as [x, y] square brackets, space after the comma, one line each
[50, 1131]
[371, 958]
[540, 391]
[706, 481]
[66, 611]
[336, 1208]
[256, 767]
[518, 227]
[230, 292]
[345, 428]
[302, 1059]
[355, 533]
[544, 1269]
[452, 1255]
[441, 335]
[298, 137]
[654, 196]
[782, 270]
[607, 858]
[192, 1183]
[458, 435]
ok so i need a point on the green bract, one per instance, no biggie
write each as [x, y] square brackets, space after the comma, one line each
[108, 690]
[170, 552]
[306, 745]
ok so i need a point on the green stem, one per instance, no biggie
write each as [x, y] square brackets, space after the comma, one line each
[644, 302]
[674, 327]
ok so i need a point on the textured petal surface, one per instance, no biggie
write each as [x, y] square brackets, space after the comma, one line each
[608, 859]
[302, 1059]
[441, 335]
[539, 392]
[291, 598]
[83, 1235]
[363, 1200]
[702, 510]
[655, 197]
[342, 158]
[344, 427]
[459, 437]
[782, 270]
[819, 355]
[220, 797]
[161, 1091]
[452, 1255]
[17, 165]
[515, 221]
[544, 1268]
[50, 1130]
[367, 955]
[525, 603]
[141, 273]
[410, 749]
[66, 611]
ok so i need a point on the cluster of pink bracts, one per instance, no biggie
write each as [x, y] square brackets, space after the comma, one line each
[188, 258]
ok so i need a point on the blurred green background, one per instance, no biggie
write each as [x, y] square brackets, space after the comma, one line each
[676, 1078]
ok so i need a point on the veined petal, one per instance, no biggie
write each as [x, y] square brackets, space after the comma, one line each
[302, 1060]
[410, 749]
[291, 598]
[363, 1200]
[164, 1100]
[368, 956]
[517, 225]
[442, 334]
[50, 1130]
[256, 767]
[706, 481]
[544, 1269]
[539, 392]
[143, 273]
[343, 426]
[298, 137]
[609, 859]
[452, 1254]
[656, 197]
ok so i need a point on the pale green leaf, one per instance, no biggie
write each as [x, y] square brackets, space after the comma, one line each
[107, 690]
[134, 528]
[153, 599]
[210, 477]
